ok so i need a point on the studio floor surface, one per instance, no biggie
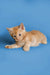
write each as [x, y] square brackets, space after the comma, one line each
[35, 14]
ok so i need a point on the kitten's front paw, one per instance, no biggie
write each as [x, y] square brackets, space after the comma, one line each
[7, 46]
[26, 48]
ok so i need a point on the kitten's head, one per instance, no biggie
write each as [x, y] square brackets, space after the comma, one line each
[17, 32]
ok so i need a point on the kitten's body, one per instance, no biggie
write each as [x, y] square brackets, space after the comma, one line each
[27, 39]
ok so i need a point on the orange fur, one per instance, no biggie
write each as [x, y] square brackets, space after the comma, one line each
[25, 39]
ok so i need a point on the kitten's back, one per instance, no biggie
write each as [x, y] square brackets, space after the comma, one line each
[39, 36]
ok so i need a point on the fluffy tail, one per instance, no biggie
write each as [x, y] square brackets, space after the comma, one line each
[44, 40]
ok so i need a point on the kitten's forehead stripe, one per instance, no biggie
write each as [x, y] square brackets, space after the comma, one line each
[15, 28]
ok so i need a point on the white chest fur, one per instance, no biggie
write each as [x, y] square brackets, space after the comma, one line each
[21, 43]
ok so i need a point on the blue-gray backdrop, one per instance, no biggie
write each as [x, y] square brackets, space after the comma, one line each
[35, 14]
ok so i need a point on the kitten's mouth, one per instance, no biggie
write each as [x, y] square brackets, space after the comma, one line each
[16, 39]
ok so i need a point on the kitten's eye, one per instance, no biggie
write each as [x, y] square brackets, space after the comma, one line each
[19, 34]
[14, 36]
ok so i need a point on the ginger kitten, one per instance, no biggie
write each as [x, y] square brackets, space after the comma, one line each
[25, 39]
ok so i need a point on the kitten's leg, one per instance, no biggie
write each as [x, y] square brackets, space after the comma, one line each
[35, 44]
[12, 46]
[27, 46]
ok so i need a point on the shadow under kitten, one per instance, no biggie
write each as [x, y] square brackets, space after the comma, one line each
[5, 38]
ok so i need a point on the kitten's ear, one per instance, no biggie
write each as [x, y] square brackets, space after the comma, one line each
[10, 29]
[22, 26]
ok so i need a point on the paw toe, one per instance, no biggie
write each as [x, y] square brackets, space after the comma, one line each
[26, 49]
[7, 46]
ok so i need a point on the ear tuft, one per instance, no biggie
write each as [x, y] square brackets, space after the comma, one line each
[22, 26]
[9, 29]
